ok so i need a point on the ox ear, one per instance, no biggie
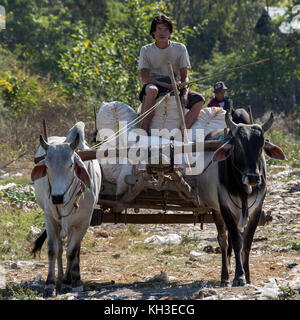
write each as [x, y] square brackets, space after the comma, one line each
[80, 171]
[223, 152]
[273, 151]
[39, 171]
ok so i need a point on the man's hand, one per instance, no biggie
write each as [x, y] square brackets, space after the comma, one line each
[184, 99]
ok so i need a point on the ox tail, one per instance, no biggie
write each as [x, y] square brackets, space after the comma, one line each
[38, 243]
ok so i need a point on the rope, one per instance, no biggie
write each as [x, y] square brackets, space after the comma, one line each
[228, 192]
[242, 207]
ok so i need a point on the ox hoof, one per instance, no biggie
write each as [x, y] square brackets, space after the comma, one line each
[224, 283]
[48, 293]
[77, 285]
[77, 289]
[65, 289]
[238, 282]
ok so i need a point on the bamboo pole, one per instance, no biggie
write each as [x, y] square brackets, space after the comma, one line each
[209, 146]
[177, 98]
[179, 108]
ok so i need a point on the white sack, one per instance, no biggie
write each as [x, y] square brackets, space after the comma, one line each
[113, 115]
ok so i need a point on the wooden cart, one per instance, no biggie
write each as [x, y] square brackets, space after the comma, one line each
[159, 187]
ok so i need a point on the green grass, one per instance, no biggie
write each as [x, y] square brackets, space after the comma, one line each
[15, 196]
[288, 143]
[18, 292]
[286, 293]
[285, 243]
[296, 246]
[15, 234]
[22, 181]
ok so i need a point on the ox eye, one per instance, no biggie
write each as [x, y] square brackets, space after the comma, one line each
[71, 166]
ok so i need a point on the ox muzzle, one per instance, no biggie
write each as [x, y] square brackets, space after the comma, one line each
[251, 179]
[57, 199]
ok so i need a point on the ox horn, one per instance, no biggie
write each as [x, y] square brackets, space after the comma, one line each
[230, 124]
[267, 125]
[75, 143]
[44, 144]
[250, 115]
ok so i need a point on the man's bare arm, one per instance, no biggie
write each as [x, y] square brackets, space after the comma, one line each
[184, 77]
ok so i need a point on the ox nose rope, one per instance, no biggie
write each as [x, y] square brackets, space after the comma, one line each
[255, 200]
[50, 187]
[259, 187]
[77, 197]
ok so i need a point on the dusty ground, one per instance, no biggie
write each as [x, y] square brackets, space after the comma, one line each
[117, 264]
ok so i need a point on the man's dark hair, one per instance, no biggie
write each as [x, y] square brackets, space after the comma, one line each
[161, 19]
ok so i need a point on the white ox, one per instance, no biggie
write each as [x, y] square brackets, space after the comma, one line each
[67, 190]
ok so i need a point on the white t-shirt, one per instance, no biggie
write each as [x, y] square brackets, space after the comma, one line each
[156, 59]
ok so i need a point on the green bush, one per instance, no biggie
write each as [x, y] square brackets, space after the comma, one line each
[287, 142]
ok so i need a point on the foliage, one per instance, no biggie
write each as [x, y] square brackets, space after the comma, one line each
[40, 31]
[18, 292]
[296, 246]
[286, 142]
[286, 293]
[16, 196]
[61, 58]
[20, 95]
[26, 99]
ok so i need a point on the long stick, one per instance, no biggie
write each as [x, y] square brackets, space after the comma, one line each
[179, 108]
[177, 98]
[182, 85]
[91, 154]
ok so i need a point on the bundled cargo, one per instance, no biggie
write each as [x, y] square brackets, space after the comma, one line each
[111, 118]
[116, 116]
[166, 116]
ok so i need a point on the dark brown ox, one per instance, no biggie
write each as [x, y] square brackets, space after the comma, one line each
[234, 188]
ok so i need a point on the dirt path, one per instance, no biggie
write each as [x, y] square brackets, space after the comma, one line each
[117, 264]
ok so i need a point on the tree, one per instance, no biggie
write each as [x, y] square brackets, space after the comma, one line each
[39, 31]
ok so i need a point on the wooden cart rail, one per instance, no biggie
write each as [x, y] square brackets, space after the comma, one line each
[99, 217]
[208, 146]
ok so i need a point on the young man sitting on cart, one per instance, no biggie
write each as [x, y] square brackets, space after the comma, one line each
[153, 66]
